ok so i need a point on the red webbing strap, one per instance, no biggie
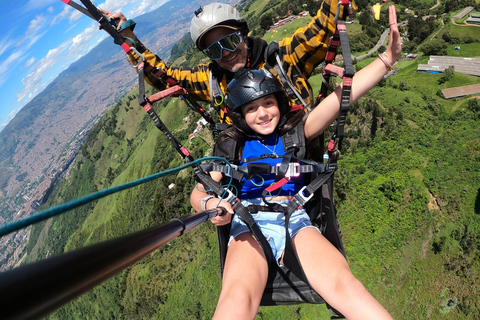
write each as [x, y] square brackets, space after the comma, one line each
[147, 106]
[126, 47]
[333, 44]
[333, 69]
[280, 183]
[169, 81]
[160, 74]
[166, 93]
[296, 107]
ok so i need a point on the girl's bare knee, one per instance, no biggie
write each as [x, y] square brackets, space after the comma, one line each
[237, 304]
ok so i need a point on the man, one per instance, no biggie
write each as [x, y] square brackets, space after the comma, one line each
[221, 33]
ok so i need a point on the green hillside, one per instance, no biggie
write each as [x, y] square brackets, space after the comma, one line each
[407, 191]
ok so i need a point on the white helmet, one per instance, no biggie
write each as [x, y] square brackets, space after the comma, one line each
[215, 15]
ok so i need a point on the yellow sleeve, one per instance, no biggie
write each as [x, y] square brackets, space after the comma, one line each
[307, 48]
[194, 80]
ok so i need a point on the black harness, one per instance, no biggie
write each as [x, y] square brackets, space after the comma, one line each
[286, 284]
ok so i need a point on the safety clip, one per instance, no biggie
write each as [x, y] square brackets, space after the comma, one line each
[292, 170]
[300, 198]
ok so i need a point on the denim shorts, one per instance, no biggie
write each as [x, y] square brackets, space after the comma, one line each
[272, 225]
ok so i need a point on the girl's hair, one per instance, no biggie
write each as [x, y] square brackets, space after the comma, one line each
[291, 119]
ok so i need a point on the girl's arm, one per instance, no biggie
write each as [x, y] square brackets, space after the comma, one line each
[200, 200]
[364, 80]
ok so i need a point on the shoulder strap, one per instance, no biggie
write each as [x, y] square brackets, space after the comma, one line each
[294, 141]
[272, 58]
[227, 150]
[217, 97]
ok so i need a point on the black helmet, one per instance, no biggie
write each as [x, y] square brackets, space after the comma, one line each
[252, 85]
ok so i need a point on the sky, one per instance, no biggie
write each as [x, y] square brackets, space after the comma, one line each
[41, 38]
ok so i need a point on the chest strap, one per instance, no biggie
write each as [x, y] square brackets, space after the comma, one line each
[238, 173]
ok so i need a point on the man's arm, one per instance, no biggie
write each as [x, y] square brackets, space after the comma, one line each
[363, 81]
[307, 48]
[194, 80]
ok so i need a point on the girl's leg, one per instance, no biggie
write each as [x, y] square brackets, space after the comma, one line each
[244, 279]
[328, 273]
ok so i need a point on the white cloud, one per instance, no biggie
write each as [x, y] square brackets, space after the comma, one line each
[34, 32]
[79, 42]
[66, 12]
[34, 38]
[75, 16]
[75, 48]
[36, 5]
[50, 9]
[5, 65]
[71, 27]
[36, 24]
[29, 63]
[145, 6]
[115, 5]
[72, 49]
[33, 80]
[7, 44]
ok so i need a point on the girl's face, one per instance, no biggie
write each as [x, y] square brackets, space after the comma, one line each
[262, 115]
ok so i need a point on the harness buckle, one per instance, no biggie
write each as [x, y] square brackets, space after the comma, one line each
[230, 197]
[230, 169]
[300, 199]
[351, 12]
[139, 55]
[292, 170]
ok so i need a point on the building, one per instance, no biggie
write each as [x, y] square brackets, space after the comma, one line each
[437, 64]
[462, 14]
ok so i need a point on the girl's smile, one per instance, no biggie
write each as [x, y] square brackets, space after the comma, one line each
[262, 115]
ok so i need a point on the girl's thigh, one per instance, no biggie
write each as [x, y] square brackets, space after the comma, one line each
[320, 260]
[245, 265]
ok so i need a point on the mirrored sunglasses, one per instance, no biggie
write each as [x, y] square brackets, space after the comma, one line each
[230, 43]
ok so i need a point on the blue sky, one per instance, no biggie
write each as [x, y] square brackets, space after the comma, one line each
[41, 38]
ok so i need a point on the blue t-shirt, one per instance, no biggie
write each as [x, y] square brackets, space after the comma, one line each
[254, 187]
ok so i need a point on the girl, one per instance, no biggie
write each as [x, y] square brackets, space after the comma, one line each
[259, 109]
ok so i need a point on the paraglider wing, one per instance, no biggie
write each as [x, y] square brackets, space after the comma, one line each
[376, 11]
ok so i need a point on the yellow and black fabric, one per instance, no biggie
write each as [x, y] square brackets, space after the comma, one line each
[300, 55]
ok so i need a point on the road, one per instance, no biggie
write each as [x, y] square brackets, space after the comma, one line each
[380, 42]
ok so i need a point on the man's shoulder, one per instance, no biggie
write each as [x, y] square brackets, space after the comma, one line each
[257, 47]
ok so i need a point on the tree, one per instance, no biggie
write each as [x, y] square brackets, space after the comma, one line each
[434, 47]
[266, 21]
[362, 4]
[403, 86]
[451, 5]
[447, 74]
[474, 106]
[447, 37]
[365, 18]
[313, 6]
